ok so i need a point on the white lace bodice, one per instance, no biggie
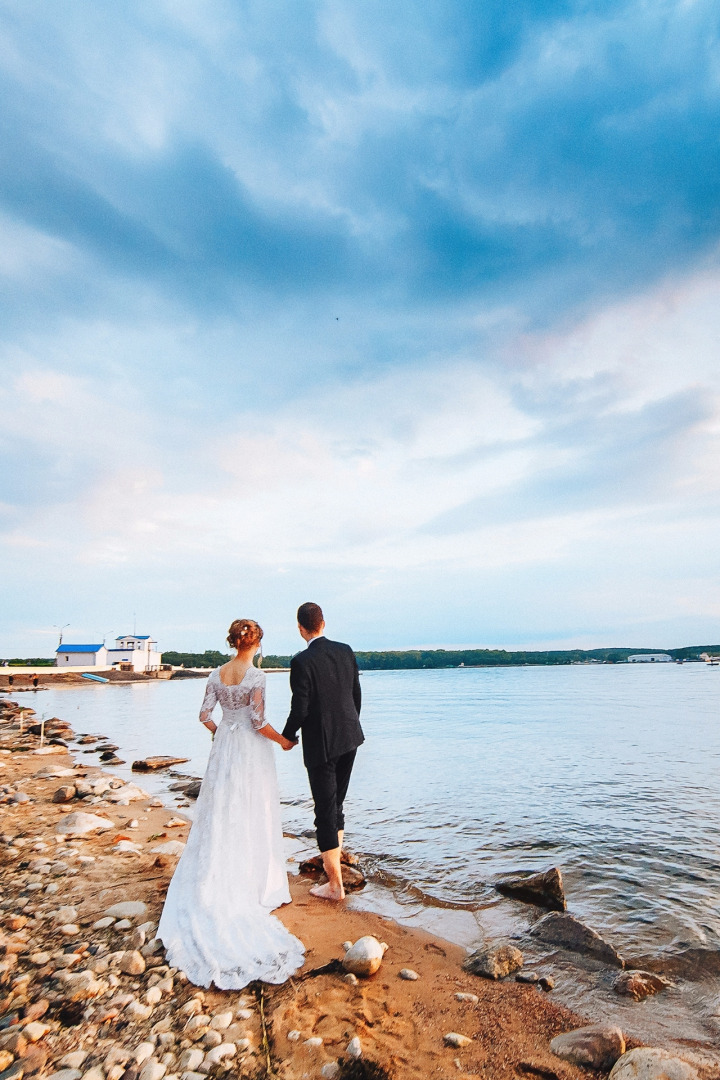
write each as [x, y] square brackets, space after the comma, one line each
[243, 703]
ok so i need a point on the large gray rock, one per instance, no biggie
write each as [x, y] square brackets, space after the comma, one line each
[494, 963]
[597, 1046]
[569, 933]
[640, 984]
[545, 890]
[80, 824]
[647, 1063]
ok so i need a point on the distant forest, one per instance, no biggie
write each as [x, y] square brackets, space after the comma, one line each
[452, 658]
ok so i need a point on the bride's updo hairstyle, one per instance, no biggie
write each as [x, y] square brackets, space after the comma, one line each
[243, 634]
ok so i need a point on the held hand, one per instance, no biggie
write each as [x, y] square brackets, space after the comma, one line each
[286, 743]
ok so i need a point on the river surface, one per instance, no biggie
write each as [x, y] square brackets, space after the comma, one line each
[611, 773]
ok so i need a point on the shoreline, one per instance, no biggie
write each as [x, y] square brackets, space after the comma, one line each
[400, 1023]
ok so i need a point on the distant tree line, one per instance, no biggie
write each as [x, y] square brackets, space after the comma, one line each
[30, 661]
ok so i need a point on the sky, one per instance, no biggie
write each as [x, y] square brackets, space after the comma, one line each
[412, 310]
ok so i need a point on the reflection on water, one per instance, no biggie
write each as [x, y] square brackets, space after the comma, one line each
[609, 772]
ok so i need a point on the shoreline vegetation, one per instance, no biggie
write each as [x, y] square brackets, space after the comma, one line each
[86, 992]
[409, 659]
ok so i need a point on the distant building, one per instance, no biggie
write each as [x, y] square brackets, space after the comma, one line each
[650, 658]
[81, 656]
[137, 651]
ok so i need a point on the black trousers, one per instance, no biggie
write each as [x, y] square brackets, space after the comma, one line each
[329, 784]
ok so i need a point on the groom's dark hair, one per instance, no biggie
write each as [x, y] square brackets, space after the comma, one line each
[310, 617]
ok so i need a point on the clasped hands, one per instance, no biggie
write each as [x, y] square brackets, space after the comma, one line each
[287, 744]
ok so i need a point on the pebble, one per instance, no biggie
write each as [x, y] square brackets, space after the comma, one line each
[454, 1038]
[293, 1036]
[137, 938]
[6, 1058]
[365, 956]
[137, 1011]
[354, 1048]
[314, 1040]
[220, 1053]
[53, 887]
[153, 995]
[66, 915]
[212, 1038]
[409, 974]
[73, 1060]
[192, 1007]
[244, 1014]
[546, 983]
[104, 923]
[39, 959]
[132, 963]
[65, 1074]
[350, 978]
[70, 929]
[194, 1076]
[165, 986]
[223, 1020]
[123, 924]
[330, 1070]
[133, 824]
[467, 997]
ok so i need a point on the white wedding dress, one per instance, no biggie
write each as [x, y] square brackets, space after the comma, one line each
[216, 924]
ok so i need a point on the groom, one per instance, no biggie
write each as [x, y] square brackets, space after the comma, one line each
[326, 705]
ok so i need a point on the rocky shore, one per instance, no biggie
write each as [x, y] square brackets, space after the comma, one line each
[86, 993]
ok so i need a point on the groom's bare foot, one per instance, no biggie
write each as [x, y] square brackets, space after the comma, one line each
[328, 892]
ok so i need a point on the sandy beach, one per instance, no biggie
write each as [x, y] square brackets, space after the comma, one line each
[78, 981]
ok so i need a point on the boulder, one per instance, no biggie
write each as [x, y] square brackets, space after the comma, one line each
[597, 1046]
[127, 909]
[545, 889]
[80, 824]
[494, 962]
[364, 957]
[565, 930]
[647, 1063]
[640, 984]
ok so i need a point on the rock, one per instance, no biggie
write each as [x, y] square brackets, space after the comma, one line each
[126, 794]
[454, 1038]
[6, 1058]
[137, 938]
[66, 914]
[409, 974]
[96, 1073]
[467, 997]
[39, 959]
[647, 1063]
[132, 963]
[159, 761]
[223, 1020]
[350, 978]
[220, 1053]
[293, 1036]
[545, 889]
[196, 1027]
[127, 909]
[170, 847]
[640, 984]
[354, 1049]
[142, 1052]
[494, 962]
[314, 1041]
[135, 1010]
[212, 1038]
[65, 1074]
[69, 929]
[80, 824]
[569, 933]
[527, 977]
[20, 797]
[190, 1059]
[364, 957]
[74, 1059]
[597, 1046]
[35, 1059]
[546, 983]
[127, 847]
[192, 1007]
[123, 924]
[153, 996]
[14, 1071]
[35, 1030]
[330, 1071]
[65, 794]
[153, 1070]
[104, 923]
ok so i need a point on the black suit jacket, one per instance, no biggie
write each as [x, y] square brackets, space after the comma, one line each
[326, 699]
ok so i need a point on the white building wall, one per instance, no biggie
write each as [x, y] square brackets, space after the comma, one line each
[81, 659]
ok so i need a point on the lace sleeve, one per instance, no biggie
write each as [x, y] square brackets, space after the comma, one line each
[257, 703]
[209, 701]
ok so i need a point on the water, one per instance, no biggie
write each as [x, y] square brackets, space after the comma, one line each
[609, 772]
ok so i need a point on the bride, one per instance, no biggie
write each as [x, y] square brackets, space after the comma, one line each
[216, 923]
